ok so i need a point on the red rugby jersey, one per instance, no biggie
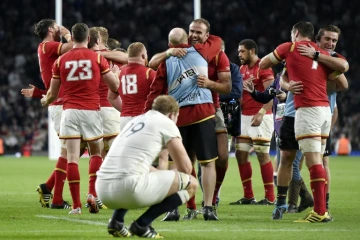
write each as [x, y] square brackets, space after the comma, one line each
[103, 88]
[249, 105]
[135, 81]
[48, 52]
[80, 72]
[301, 68]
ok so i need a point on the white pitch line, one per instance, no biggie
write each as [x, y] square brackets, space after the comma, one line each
[209, 230]
[73, 220]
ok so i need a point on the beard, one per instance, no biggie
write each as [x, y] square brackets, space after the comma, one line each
[244, 62]
[57, 37]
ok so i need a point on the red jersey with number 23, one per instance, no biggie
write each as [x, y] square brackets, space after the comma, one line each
[80, 72]
[309, 72]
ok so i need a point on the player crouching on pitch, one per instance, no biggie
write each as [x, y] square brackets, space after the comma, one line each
[127, 180]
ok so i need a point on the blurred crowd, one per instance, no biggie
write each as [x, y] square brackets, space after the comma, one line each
[23, 122]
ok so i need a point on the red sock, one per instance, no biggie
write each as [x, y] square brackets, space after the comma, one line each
[73, 177]
[317, 184]
[267, 173]
[51, 181]
[220, 175]
[60, 177]
[191, 203]
[245, 175]
[94, 166]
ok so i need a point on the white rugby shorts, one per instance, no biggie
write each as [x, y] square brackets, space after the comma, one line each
[84, 124]
[260, 133]
[135, 191]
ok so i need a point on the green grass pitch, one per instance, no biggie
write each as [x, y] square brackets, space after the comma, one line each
[21, 216]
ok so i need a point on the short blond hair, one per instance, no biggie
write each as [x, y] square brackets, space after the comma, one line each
[135, 49]
[104, 34]
[165, 104]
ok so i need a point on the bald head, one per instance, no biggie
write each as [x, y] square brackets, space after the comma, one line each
[178, 36]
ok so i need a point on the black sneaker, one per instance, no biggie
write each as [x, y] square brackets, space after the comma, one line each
[209, 214]
[190, 214]
[244, 201]
[44, 195]
[145, 232]
[292, 208]
[172, 216]
[265, 201]
[65, 205]
[117, 229]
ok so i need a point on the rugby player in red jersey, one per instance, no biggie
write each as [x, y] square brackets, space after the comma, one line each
[257, 126]
[48, 51]
[313, 116]
[79, 72]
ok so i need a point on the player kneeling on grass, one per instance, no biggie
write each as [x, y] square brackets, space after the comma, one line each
[127, 180]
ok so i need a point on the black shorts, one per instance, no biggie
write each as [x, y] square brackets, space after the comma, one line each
[200, 138]
[328, 148]
[287, 135]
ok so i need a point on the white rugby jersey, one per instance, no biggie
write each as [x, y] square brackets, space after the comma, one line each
[138, 145]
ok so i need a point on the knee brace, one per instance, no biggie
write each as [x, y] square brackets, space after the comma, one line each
[184, 180]
[245, 147]
[310, 145]
[184, 196]
[262, 148]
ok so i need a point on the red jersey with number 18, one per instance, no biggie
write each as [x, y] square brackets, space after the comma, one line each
[135, 81]
[312, 74]
[80, 72]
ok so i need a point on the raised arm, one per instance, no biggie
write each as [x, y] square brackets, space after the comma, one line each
[268, 61]
[116, 56]
[160, 57]
[334, 63]
[67, 35]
